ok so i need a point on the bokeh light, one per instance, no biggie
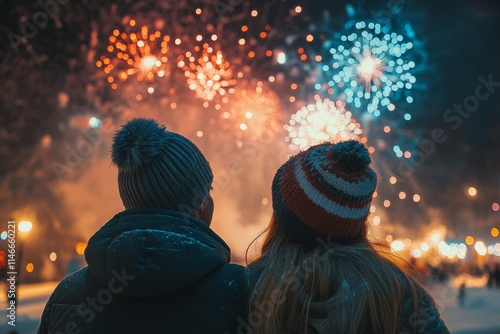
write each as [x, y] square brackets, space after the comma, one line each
[397, 245]
[480, 248]
[30, 267]
[25, 226]
[281, 57]
[80, 248]
[95, 122]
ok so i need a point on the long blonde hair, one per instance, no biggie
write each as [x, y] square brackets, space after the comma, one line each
[290, 277]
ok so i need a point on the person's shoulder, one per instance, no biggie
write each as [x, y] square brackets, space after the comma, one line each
[224, 285]
[232, 269]
[419, 312]
[230, 276]
[72, 288]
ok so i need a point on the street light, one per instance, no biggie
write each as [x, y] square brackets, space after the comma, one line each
[24, 226]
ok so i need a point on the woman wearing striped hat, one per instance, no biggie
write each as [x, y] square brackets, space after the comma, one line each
[318, 272]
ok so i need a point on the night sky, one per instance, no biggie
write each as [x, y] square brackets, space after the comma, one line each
[51, 87]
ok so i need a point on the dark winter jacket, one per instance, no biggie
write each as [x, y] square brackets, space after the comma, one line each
[150, 271]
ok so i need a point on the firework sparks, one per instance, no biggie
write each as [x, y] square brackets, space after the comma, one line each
[210, 75]
[324, 121]
[256, 112]
[139, 53]
[372, 67]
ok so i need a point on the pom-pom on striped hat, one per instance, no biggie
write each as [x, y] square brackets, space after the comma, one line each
[158, 168]
[325, 191]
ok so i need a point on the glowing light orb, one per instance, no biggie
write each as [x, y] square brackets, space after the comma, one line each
[25, 226]
[480, 248]
[30, 267]
[397, 245]
[209, 74]
[372, 67]
[281, 58]
[324, 121]
[142, 53]
[80, 247]
[95, 122]
[472, 191]
[256, 112]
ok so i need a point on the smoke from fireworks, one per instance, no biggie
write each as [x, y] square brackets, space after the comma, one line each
[137, 53]
[324, 121]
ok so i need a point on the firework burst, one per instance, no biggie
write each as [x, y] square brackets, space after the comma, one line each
[138, 53]
[324, 121]
[372, 68]
[209, 74]
[255, 112]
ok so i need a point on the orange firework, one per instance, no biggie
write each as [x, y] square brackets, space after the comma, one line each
[209, 74]
[138, 53]
[256, 112]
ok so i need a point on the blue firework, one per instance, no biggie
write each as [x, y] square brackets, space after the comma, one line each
[372, 67]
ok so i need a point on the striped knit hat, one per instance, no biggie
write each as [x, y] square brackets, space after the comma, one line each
[158, 168]
[325, 191]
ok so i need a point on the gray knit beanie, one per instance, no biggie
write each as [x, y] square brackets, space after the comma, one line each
[158, 168]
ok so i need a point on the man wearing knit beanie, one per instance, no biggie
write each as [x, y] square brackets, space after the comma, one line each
[156, 267]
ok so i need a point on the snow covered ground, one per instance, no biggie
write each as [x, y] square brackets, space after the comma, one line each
[32, 301]
[480, 313]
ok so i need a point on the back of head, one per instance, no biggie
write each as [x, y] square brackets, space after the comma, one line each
[158, 168]
[316, 254]
[325, 191]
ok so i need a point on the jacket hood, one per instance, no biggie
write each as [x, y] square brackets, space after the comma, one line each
[151, 252]
[332, 315]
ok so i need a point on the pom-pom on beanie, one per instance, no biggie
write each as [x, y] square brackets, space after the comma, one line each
[325, 191]
[158, 168]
